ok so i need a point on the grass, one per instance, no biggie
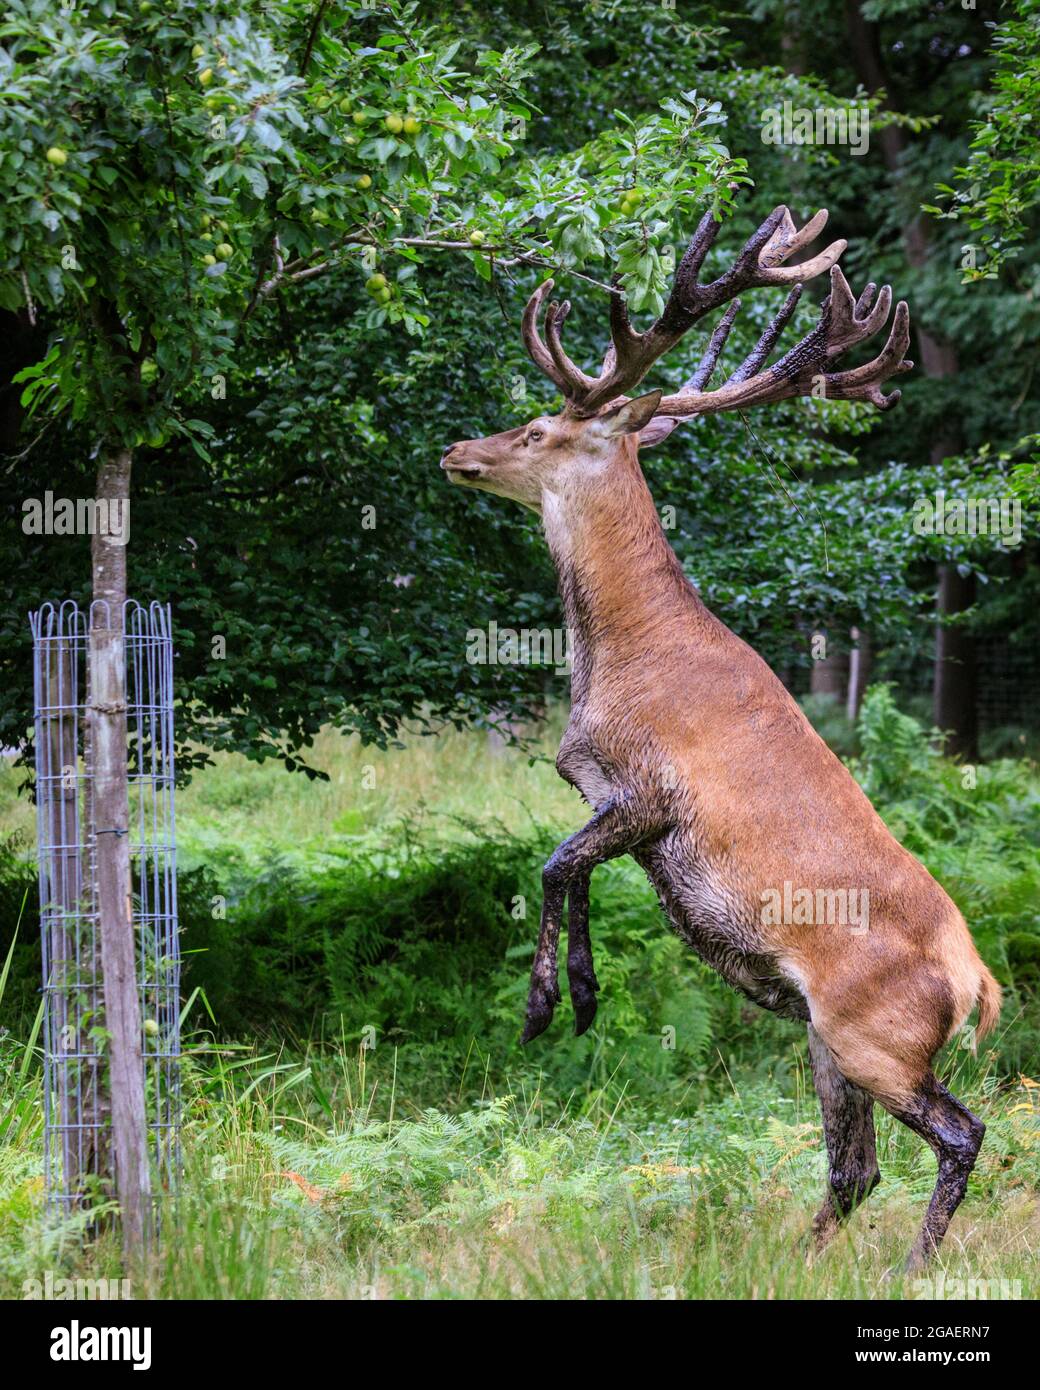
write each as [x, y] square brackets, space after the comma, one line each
[444, 1162]
[471, 777]
[509, 1198]
[254, 806]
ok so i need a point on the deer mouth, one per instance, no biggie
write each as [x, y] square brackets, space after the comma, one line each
[461, 472]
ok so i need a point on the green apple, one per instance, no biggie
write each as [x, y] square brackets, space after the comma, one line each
[412, 126]
[477, 237]
[345, 104]
[57, 156]
[365, 181]
[359, 118]
[205, 77]
[150, 1025]
[375, 282]
[383, 296]
[209, 259]
[225, 250]
[198, 51]
[394, 123]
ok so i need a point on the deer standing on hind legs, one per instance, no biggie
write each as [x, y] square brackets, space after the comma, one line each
[694, 757]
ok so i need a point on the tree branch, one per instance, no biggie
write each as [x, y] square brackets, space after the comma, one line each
[298, 271]
[312, 37]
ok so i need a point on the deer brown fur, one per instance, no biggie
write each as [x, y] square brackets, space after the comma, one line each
[698, 762]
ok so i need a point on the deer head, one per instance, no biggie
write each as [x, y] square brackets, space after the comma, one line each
[601, 427]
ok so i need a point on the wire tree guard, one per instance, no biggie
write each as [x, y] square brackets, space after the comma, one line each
[78, 1131]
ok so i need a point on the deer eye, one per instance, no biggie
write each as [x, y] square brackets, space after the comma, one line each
[534, 434]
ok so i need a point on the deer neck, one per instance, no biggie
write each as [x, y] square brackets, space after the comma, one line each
[621, 583]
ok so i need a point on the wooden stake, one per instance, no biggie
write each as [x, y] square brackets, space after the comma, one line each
[107, 658]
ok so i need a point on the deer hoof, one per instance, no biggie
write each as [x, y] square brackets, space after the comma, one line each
[583, 998]
[541, 1002]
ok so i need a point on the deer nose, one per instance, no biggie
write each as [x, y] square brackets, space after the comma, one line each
[447, 453]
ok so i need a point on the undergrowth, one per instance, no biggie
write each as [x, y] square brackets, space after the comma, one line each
[382, 1134]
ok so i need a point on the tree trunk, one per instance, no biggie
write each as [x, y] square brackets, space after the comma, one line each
[953, 709]
[829, 674]
[107, 706]
[954, 703]
[860, 663]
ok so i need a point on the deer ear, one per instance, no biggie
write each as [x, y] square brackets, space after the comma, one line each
[630, 417]
[658, 429]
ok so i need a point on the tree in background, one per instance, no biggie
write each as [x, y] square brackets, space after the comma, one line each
[286, 399]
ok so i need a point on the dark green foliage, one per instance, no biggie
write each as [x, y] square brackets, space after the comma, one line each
[247, 513]
[20, 929]
[978, 831]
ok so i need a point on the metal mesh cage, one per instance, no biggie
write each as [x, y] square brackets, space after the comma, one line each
[77, 1108]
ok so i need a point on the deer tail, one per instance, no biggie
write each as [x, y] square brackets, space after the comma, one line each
[988, 1000]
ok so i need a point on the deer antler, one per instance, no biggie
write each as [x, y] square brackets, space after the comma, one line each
[843, 323]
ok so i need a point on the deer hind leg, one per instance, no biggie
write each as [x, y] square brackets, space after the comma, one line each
[848, 1128]
[955, 1134]
[612, 831]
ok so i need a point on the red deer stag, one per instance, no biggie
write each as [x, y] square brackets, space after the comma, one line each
[694, 757]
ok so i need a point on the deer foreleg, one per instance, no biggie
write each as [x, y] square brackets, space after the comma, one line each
[581, 976]
[612, 831]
